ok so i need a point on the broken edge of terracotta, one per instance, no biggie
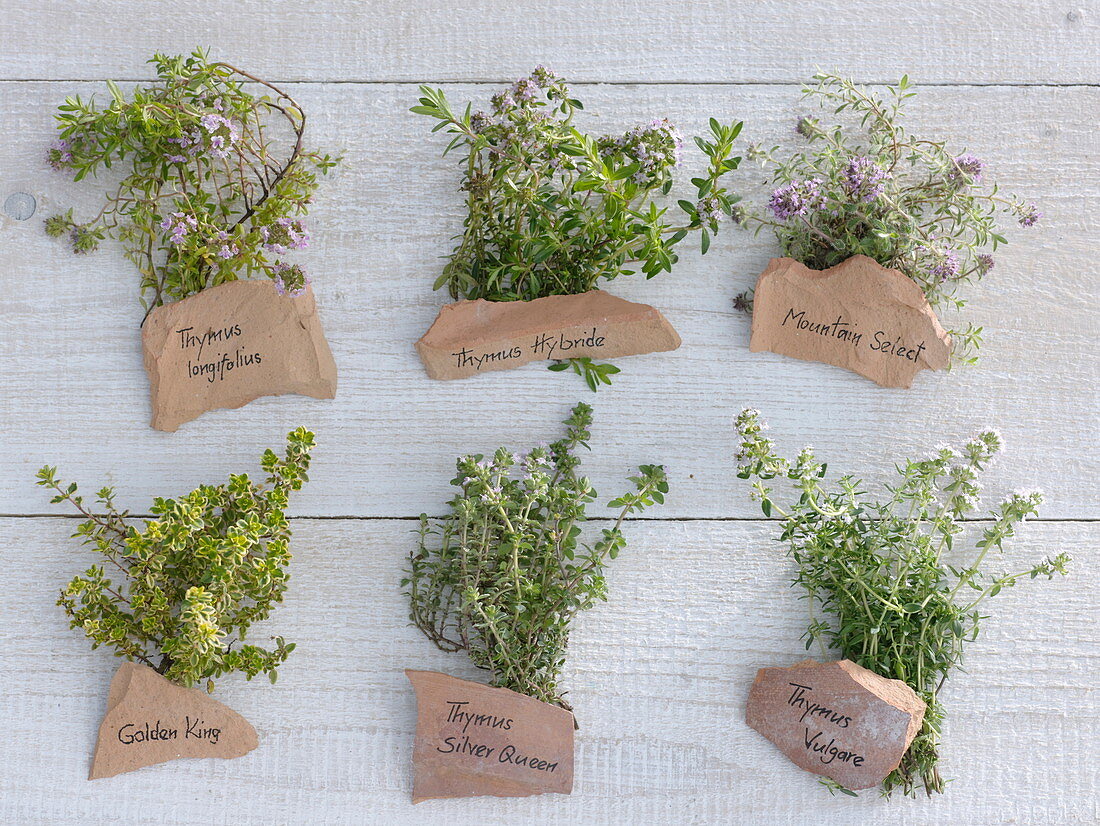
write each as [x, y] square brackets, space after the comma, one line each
[544, 730]
[468, 338]
[863, 291]
[284, 331]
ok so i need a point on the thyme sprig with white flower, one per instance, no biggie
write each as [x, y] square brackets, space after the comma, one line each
[868, 187]
[504, 574]
[551, 210]
[180, 594]
[218, 180]
[882, 578]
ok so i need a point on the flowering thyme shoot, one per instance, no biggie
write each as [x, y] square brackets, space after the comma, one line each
[504, 574]
[869, 187]
[880, 587]
[180, 594]
[217, 180]
[552, 210]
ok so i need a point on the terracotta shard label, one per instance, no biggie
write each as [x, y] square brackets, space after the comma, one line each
[232, 344]
[471, 337]
[836, 719]
[475, 740]
[150, 720]
[857, 315]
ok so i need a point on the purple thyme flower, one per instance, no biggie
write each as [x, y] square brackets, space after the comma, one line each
[290, 279]
[227, 251]
[985, 263]
[502, 102]
[655, 147]
[284, 235]
[60, 154]
[968, 170]
[179, 224]
[492, 495]
[480, 121]
[946, 264]
[543, 77]
[864, 179]
[524, 89]
[212, 123]
[710, 210]
[222, 133]
[1030, 216]
[796, 198]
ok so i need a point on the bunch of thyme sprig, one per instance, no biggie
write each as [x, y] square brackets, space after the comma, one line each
[876, 573]
[180, 594]
[552, 210]
[868, 187]
[504, 574]
[217, 184]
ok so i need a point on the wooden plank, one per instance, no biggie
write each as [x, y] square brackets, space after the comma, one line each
[75, 392]
[658, 676]
[621, 40]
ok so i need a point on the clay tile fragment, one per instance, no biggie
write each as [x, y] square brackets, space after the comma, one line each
[836, 719]
[472, 337]
[472, 739]
[857, 315]
[231, 344]
[151, 720]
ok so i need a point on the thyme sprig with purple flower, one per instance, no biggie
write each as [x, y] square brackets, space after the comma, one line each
[869, 187]
[555, 211]
[882, 578]
[504, 574]
[217, 184]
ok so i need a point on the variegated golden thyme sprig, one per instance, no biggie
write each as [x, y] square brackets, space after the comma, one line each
[181, 594]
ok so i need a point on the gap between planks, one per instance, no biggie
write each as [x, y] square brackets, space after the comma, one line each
[672, 519]
[1007, 84]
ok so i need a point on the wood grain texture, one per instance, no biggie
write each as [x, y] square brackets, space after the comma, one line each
[741, 41]
[658, 676]
[77, 396]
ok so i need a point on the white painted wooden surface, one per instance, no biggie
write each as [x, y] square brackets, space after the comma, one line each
[699, 601]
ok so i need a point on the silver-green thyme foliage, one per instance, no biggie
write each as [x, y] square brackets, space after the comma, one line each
[181, 593]
[867, 186]
[216, 180]
[881, 576]
[504, 574]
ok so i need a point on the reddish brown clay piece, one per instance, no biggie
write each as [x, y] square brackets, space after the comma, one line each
[231, 344]
[472, 337]
[472, 739]
[857, 315]
[836, 719]
[151, 720]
